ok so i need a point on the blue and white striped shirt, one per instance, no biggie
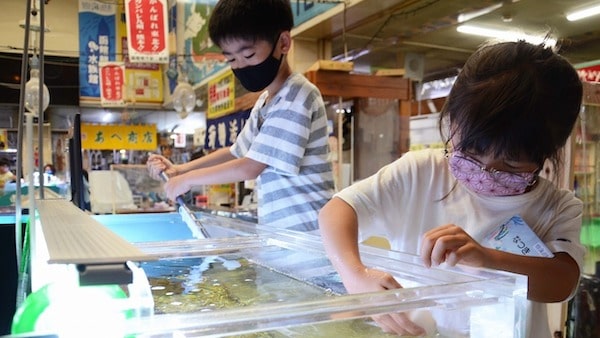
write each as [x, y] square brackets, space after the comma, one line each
[289, 135]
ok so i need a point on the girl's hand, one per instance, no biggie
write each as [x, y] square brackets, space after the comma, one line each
[451, 244]
[371, 280]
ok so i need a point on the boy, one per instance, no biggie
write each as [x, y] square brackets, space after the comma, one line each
[284, 143]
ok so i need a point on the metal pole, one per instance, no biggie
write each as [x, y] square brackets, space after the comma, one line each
[41, 107]
[18, 207]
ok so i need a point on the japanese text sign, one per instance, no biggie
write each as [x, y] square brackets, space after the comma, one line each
[96, 44]
[223, 131]
[589, 74]
[112, 81]
[147, 30]
[110, 137]
[221, 95]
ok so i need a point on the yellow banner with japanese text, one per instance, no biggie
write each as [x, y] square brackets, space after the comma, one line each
[113, 136]
[221, 95]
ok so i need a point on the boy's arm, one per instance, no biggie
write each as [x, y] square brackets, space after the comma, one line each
[158, 163]
[216, 157]
[236, 170]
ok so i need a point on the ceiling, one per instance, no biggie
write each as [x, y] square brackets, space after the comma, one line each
[376, 33]
[386, 30]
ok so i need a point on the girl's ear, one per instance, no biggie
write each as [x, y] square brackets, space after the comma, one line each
[286, 42]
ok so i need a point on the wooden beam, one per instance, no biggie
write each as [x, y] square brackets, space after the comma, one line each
[333, 83]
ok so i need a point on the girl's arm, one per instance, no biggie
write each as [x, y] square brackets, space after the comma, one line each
[339, 231]
[549, 279]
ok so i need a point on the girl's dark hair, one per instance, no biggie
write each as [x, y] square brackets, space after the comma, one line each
[514, 100]
[250, 20]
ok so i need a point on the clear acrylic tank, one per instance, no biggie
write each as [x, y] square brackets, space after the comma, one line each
[247, 281]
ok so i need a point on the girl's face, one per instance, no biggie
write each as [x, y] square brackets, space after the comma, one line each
[492, 163]
[492, 176]
[499, 164]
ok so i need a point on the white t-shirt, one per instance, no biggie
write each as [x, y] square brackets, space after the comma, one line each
[417, 193]
[289, 135]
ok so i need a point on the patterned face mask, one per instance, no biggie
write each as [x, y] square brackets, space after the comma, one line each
[488, 182]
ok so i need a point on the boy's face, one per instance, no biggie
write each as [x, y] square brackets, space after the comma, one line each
[241, 53]
[254, 63]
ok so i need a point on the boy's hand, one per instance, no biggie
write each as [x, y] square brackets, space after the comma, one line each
[177, 186]
[451, 244]
[157, 164]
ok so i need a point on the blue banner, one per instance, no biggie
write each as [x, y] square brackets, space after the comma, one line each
[97, 43]
[222, 132]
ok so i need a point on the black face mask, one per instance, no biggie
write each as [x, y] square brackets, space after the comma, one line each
[258, 77]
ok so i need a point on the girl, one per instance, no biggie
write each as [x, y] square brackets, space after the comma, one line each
[513, 106]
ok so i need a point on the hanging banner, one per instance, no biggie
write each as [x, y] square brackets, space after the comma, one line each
[112, 83]
[171, 71]
[203, 59]
[111, 137]
[96, 44]
[589, 74]
[147, 30]
[304, 10]
[222, 132]
[143, 82]
[221, 95]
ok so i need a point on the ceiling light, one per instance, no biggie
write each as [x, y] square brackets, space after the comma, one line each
[506, 35]
[584, 13]
[477, 13]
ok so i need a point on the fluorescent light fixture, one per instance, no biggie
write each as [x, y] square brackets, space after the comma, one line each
[474, 14]
[352, 55]
[506, 35]
[584, 13]
[106, 117]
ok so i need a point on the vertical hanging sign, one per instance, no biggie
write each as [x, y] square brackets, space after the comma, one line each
[96, 44]
[147, 30]
[112, 83]
[221, 95]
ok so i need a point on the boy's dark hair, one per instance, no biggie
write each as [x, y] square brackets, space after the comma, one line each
[514, 100]
[250, 20]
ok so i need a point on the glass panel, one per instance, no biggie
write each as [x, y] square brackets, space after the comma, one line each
[586, 179]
